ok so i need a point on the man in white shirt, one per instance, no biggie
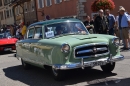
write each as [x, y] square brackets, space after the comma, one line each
[124, 23]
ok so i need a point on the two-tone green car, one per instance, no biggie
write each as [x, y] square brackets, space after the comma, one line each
[65, 44]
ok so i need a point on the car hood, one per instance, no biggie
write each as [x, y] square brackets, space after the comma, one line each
[8, 41]
[74, 40]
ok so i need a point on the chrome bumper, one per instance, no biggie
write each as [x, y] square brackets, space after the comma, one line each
[83, 64]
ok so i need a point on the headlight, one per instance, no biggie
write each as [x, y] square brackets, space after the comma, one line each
[65, 48]
[115, 41]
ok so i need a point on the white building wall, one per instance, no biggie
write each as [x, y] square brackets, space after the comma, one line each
[10, 19]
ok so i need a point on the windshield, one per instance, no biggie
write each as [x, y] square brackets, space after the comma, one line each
[5, 35]
[1, 36]
[65, 28]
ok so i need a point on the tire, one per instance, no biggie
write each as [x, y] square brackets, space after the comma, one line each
[58, 74]
[108, 68]
[25, 65]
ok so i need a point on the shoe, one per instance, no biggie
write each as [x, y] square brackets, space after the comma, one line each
[126, 49]
[123, 48]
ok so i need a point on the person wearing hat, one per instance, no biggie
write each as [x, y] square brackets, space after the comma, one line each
[124, 23]
[101, 23]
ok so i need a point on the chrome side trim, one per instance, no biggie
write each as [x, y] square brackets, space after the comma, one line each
[87, 64]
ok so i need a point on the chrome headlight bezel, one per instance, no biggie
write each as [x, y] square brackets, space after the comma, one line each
[65, 48]
[115, 41]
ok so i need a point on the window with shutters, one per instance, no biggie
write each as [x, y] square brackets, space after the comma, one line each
[0, 2]
[32, 5]
[48, 2]
[25, 7]
[40, 3]
[1, 15]
[7, 13]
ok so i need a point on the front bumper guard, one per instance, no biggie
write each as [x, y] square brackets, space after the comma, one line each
[83, 64]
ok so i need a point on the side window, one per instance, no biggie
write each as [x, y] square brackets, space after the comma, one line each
[30, 33]
[38, 32]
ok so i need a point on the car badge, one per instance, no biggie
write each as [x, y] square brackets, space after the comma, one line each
[94, 50]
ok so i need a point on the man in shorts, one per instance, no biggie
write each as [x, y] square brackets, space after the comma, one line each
[124, 22]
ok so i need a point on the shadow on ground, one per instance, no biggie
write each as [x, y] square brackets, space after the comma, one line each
[7, 52]
[41, 77]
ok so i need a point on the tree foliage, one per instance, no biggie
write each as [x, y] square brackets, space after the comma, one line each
[102, 4]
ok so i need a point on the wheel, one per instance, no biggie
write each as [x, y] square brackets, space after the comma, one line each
[25, 65]
[108, 67]
[58, 74]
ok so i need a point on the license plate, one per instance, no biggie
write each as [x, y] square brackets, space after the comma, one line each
[7, 49]
[92, 64]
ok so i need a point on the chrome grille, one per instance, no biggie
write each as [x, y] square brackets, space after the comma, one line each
[91, 50]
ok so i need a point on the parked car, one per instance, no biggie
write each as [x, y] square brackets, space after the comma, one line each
[7, 42]
[65, 44]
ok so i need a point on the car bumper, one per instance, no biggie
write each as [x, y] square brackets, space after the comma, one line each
[83, 64]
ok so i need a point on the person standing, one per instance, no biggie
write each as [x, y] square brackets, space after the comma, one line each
[24, 29]
[124, 23]
[111, 21]
[101, 23]
[117, 30]
[89, 24]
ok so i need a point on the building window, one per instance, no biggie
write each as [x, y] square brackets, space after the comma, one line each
[18, 10]
[25, 7]
[0, 2]
[28, 6]
[10, 12]
[40, 3]
[7, 13]
[48, 3]
[58, 1]
[32, 5]
[1, 16]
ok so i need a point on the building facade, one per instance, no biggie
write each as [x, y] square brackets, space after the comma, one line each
[29, 11]
[60, 8]
[79, 8]
[6, 14]
[24, 11]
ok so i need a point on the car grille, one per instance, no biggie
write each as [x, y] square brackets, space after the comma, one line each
[91, 50]
[7, 45]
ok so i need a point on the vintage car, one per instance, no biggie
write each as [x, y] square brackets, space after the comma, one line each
[7, 42]
[65, 44]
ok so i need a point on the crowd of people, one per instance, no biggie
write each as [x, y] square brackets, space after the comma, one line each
[102, 23]
[15, 30]
[106, 23]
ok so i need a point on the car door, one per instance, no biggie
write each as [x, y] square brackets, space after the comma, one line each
[35, 46]
[26, 45]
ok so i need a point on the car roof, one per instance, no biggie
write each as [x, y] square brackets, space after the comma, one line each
[54, 21]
